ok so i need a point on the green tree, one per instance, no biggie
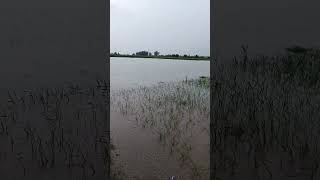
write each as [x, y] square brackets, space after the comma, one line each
[156, 53]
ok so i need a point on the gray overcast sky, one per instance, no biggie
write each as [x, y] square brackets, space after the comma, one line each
[169, 26]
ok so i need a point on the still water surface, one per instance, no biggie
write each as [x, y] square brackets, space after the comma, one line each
[131, 72]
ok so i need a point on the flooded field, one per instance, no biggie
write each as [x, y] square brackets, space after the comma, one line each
[159, 118]
[162, 130]
[158, 130]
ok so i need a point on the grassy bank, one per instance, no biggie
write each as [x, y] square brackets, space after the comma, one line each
[265, 117]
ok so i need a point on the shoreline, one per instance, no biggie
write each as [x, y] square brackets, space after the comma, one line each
[165, 57]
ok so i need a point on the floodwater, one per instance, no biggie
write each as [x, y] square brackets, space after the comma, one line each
[132, 72]
[139, 152]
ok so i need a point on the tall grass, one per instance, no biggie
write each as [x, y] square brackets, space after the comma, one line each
[265, 117]
[50, 130]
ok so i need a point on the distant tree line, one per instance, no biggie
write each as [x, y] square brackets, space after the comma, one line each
[156, 53]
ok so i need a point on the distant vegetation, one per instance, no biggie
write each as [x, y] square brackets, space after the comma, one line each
[299, 50]
[156, 54]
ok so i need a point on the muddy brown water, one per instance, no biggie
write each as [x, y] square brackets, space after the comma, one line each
[143, 156]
